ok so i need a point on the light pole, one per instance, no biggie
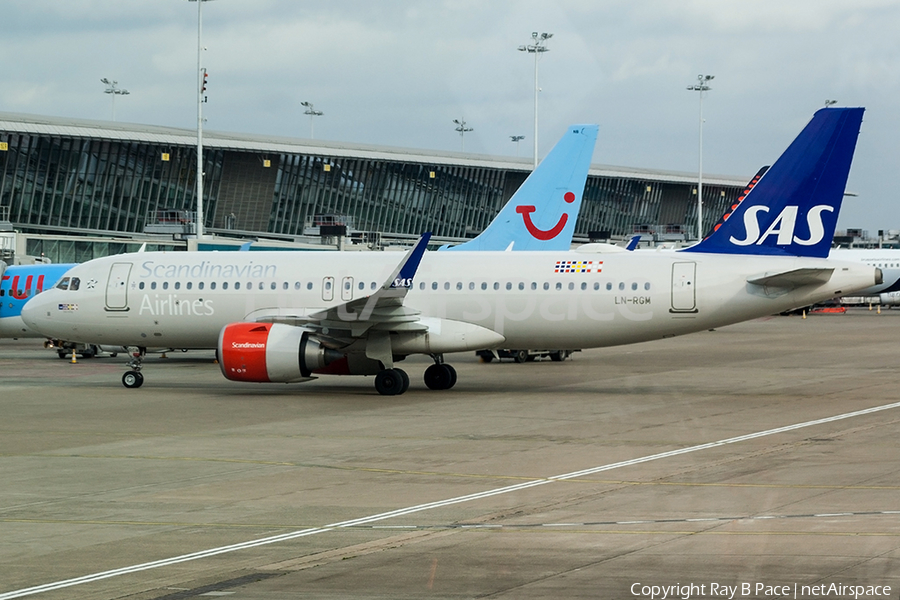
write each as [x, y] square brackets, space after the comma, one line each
[701, 86]
[312, 112]
[201, 88]
[113, 91]
[462, 129]
[830, 103]
[537, 48]
[516, 139]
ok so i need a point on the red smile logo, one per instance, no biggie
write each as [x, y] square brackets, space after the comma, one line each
[542, 234]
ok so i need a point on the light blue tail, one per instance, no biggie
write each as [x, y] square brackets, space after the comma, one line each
[541, 214]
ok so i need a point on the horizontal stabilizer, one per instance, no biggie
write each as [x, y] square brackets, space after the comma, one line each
[794, 278]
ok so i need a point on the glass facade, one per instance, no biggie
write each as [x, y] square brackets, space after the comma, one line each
[79, 182]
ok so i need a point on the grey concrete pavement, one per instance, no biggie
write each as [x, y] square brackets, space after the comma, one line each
[96, 477]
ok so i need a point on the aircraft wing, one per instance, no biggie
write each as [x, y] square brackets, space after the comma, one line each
[369, 319]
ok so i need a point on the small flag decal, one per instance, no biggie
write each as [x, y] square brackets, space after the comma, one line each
[578, 266]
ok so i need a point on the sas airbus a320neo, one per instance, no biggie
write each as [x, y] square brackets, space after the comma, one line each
[288, 317]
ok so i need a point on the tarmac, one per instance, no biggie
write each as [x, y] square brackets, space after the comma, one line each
[758, 460]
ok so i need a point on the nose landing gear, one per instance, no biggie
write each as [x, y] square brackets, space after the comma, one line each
[134, 378]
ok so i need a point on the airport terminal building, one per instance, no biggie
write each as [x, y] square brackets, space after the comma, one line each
[68, 179]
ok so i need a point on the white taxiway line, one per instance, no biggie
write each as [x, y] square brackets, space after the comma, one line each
[428, 506]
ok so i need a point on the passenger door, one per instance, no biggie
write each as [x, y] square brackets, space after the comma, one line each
[117, 286]
[684, 296]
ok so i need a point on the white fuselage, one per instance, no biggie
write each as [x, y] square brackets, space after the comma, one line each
[532, 299]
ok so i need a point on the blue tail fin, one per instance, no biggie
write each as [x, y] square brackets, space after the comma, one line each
[728, 211]
[794, 207]
[541, 214]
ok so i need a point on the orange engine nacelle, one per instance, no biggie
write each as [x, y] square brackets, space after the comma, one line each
[261, 352]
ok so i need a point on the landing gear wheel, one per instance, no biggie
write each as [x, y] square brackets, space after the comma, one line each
[440, 376]
[558, 356]
[405, 381]
[391, 382]
[521, 356]
[133, 379]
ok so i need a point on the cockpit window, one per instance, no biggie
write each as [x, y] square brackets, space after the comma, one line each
[75, 284]
[63, 283]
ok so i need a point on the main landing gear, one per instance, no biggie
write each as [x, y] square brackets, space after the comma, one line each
[134, 378]
[393, 382]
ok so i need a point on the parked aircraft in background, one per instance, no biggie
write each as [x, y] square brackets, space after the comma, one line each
[18, 283]
[274, 318]
[886, 259]
[541, 215]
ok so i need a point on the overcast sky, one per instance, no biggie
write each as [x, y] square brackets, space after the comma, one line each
[397, 72]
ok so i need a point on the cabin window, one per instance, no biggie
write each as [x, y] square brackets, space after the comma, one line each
[446, 285]
[621, 285]
[434, 285]
[152, 285]
[224, 285]
[484, 285]
[509, 285]
[273, 286]
[583, 285]
[212, 285]
[309, 285]
[496, 285]
[471, 285]
[200, 286]
[521, 285]
[177, 285]
[634, 286]
[237, 285]
[459, 285]
[165, 285]
[189, 284]
[647, 286]
[141, 285]
[608, 285]
[558, 286]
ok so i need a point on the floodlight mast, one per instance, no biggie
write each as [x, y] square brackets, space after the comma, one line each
[516, 139]
[113, 91]
[201, 88]
[312, 112]
[462, 129]
[537, 48]
[701, 86]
